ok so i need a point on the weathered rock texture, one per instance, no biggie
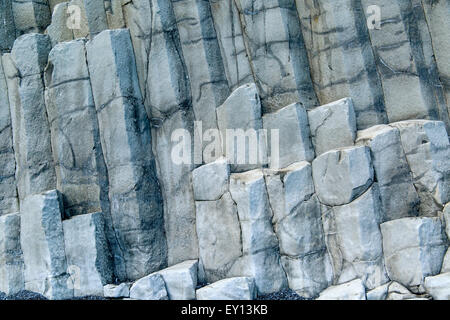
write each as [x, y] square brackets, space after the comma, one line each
[117, 172]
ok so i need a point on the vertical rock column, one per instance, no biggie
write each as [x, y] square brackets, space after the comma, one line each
[35, 171]
[209, 85]
[277, 53]
[8, 190]
[436, 14]
[342, 61]
[80, 168]
[7, 27]
[405, 62]
[134, 192]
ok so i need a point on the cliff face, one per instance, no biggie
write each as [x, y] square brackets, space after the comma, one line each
[348, 114]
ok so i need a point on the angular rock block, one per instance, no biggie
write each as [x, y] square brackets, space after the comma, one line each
[88, 254]
[203, 61]
[11, 258]
[181, 280]
[35, 171]
[427, 150]
[31, 16]
[7, 27]
[342, 64]
[58, 30]
[410, 92]
[134, 192]
[114, 14]
[438, 286]
[79, 163]
[151, 287]
[210, 181]
[353, 290]
[398, 195]
[398, 292]
[229, 289]
[342, 175]
[8, 191]
[42, 242]
[260, 249]
[77, 10]
[277, 53]
[354, 240]
[446, 263]
[294, 141]
[332, 126]
[240, 125]
[413, 249]
[219, 236]
[117, 291]
[231, 41]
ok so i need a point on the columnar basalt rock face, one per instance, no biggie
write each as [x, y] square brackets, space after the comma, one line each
[115, 182]
[134, 191]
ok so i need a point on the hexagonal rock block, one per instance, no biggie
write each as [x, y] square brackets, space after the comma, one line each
[88, 253]
[116, 291]
[11, 259]
[42, 241]
[210, 181]
[332, 126]
[294, 141]
[413, 249]
[427, 150]
[342, 175]
[239, 117]
[238, 288]
[181, 280]
[438, 286]
[260, 249]
[354, 240]
[398, 195]
[219, 236]
[353, 290]
[151, 287]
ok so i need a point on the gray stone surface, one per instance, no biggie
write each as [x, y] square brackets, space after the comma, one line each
[413, 249]
[96, 16]
[342, 175]
[151, 287]
[354, 240]
[88, 254]
[353, 290]
[240, 116]
[31, 16]
[42, 242]
[181, 280]
[427, 150]
[117, 291]
[210, 181]
[58, 30]
[7, 27]
[8, 191]
[438, 286]
[332, 126]
[229, 289]
[294, 138]
[398, 195]
[134, 191]
[35, 171]
[79, 164]
[11, 258]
